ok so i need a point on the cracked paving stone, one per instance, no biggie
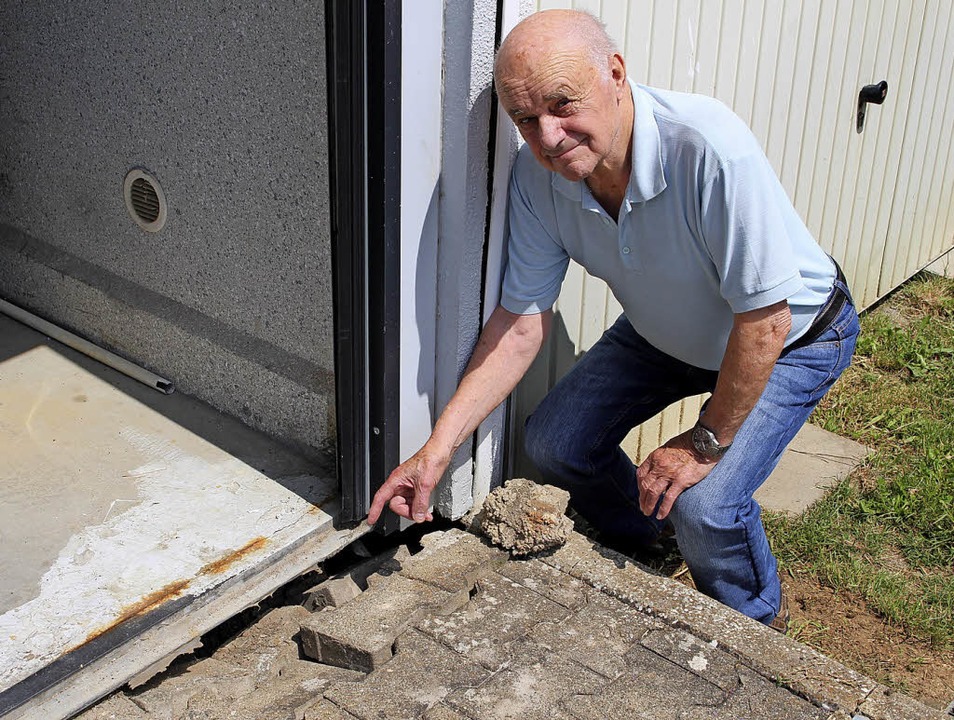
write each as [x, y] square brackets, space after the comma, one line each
[547, 581]
[420, 675]
[885, 704]
[536, 685]
[758, 699]
[653, 689]
[501, 612]
[598, 635]
[322, 709]
[701, 658]
[803, 669]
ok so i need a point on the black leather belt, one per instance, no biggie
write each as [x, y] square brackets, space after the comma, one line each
[826, 316]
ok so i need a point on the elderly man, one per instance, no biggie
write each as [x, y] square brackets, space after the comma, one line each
[668, 198]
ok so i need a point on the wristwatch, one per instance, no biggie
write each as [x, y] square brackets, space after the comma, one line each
[705, 442]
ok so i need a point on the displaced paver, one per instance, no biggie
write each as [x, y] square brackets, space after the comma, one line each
[361, 634]
[580, 633]
[340, 589]
[426, 673]
[452, 560]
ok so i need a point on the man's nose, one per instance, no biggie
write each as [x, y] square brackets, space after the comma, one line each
[551, 132]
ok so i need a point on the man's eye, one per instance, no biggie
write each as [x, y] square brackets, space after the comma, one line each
[525, 120]
[564, 102]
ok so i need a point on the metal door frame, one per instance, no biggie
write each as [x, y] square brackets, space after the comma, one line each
[364, 93]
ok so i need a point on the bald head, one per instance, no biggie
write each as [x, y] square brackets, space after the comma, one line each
[551, 31]
[561, 81]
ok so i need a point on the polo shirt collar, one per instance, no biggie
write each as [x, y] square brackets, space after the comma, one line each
[647, 178]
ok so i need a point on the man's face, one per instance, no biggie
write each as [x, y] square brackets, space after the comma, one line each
[567, 110]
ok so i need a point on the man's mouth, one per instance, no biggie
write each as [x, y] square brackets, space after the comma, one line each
[557, 155]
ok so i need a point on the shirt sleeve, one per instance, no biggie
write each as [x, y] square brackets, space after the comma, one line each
[743, 223]
[537, 262]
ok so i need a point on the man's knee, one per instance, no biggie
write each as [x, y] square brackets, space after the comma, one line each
[553, 450]
[538, 442]
[703, 511]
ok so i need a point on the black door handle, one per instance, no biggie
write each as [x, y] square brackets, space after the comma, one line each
[870, 94]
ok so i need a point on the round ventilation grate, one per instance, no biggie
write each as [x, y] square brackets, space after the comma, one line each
[145, 200]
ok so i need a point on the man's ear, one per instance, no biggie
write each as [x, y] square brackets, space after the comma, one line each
[618, 71]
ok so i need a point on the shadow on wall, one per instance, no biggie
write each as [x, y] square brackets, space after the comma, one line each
[554, 361]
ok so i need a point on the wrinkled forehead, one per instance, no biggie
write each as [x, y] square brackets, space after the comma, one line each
[533, 73]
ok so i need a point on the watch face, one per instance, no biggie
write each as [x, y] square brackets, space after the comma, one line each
[705, 442]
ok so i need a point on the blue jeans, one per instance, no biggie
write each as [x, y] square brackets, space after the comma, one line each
[574, 439]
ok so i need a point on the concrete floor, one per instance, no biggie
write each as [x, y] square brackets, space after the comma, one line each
[116, 500]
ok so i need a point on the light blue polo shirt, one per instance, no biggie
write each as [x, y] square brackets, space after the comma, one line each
[705, 231]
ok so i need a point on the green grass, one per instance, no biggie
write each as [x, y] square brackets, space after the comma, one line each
[887, 532]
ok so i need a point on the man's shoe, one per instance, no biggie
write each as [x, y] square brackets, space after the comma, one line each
[783, 618]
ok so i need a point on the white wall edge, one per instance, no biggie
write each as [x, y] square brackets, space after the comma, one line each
[422, 48]
[492, 434]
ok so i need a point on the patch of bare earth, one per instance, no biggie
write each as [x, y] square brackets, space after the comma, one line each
[843, 628]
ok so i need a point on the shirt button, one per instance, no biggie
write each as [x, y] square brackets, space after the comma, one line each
[625, 251]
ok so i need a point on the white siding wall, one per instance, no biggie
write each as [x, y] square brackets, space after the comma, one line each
[880, 202]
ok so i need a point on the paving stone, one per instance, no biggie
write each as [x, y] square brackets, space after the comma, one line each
[756, 698]
[842, 715]
[422, 674]
[269, 646]
[704, 659]
[598, 635]
[653, 689]
[548, 581]
[344, 587]
[500, 612]
[209, 681]
[115, 707]
[534, 686]
[823, 681]
[885, 704]
[452, 560]
[323, 709]
[333, 592]
[526, 517]
[443, 712]
[360, 635]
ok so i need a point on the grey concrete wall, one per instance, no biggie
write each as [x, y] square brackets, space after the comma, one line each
[225, 102]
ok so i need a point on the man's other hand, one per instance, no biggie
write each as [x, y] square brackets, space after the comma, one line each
[407, 491]
[667, 472]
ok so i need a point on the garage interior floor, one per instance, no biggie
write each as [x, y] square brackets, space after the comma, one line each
[127, 514]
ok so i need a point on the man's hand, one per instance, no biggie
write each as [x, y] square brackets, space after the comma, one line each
[407, 491]
[667, 472]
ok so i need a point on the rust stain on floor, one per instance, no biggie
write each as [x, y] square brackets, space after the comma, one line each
[223, 563]
[154, 599]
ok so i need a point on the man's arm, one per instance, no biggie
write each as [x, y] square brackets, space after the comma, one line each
[755, 343]
[507, 346]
